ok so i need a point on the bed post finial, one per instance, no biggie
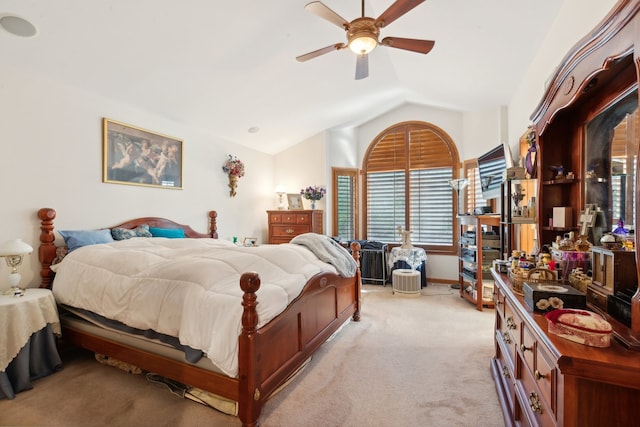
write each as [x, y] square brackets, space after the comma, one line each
[213, 225]
[250, 401]
[47, 249]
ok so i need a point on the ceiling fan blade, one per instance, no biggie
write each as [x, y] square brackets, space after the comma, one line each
[395, 11]
[315, 53]
[362, 66]
[324, 12]
[414, 45]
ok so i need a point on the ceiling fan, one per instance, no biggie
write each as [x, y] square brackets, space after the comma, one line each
[363, 32]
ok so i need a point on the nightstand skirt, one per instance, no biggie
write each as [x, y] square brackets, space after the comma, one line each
[37, 359]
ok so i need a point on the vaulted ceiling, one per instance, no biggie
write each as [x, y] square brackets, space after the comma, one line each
[225, 67]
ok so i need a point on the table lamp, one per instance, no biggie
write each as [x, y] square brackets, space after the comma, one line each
[280, 191]
[13, 251]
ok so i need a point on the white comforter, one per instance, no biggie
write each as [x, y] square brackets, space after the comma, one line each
[187, 288]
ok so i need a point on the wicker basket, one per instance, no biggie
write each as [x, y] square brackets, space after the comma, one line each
[534, 275]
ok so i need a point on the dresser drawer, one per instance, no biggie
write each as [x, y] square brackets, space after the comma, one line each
[506, 370]
[513, 323]
[498, 300]
[532, 401]
[597, 297]
[510, 331]
[280, 240]
[535, 361]
[545, 376]
[528, 350]
[275, 218]
[289, 230]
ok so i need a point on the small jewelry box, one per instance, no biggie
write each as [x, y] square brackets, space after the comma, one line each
[546, 296]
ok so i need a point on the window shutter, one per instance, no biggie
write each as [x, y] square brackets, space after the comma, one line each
[346, 207]
[407, 169]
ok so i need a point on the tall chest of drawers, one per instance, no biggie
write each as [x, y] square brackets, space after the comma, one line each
[285, 225]
[545, 380]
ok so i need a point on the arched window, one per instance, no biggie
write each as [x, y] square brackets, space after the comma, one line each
[407, 169]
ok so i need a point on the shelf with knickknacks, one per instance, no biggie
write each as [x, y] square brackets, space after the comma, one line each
[234, 168]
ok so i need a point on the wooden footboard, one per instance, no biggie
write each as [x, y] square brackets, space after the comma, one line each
[267, 356]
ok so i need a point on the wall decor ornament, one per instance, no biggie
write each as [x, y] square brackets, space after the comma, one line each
[313, 193]
[234, 168]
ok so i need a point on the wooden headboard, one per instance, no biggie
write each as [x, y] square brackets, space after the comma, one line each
[47, 248]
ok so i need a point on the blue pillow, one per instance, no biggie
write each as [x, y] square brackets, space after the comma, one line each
[171, 233]
[75, 239]
[119, 233]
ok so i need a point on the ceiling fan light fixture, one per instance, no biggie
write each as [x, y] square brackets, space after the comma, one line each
[362, 35]
[363, 44]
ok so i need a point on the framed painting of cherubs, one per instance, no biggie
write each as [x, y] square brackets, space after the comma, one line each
[135, 156]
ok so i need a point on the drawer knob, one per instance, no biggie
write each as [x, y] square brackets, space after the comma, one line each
[534, 402]
[538, 375]
[524, 347]
[506, 338]
[510, 323]
[289, 231]
[505, 372]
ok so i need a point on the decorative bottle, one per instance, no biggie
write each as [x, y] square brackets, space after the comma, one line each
[532, 207]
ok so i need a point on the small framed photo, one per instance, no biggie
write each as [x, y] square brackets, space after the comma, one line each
[136, 156]
[250, 241]
[295, 201]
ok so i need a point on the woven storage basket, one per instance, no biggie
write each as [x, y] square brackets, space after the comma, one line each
[534, 275]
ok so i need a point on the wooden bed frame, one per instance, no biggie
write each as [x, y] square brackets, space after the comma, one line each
[267, 356]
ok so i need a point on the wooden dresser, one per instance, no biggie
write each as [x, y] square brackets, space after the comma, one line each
[545, 380]
[285, 225]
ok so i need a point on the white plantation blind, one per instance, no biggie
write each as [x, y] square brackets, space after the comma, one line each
[431, 219]
[385, 205]
[346, 207]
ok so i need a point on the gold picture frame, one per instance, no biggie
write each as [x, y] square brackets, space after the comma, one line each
[295, 201]
[136, 156]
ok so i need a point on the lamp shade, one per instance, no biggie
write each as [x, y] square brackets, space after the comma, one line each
[15, 247]
[280, 189]
[458, 184]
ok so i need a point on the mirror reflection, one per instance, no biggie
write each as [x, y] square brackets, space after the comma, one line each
[610, 163]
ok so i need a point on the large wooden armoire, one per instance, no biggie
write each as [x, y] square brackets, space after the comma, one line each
[543, 379]
[596, 82]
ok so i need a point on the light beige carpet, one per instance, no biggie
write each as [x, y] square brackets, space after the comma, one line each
[409, 361]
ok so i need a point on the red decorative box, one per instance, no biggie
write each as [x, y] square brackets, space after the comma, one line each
[581, 326]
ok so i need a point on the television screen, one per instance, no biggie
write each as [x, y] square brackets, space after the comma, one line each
[491, 167]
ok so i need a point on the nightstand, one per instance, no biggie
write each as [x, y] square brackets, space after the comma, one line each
[29, 319]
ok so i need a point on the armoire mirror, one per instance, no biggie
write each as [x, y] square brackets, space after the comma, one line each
[611, 147]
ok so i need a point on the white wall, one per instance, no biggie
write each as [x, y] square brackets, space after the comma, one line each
[303, 165]
[576, 19]
[51, 139]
